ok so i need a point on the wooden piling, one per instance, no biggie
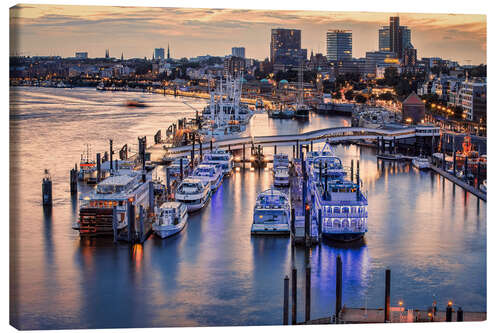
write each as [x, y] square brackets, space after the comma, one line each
[211, 146]
[460, 314]
[98, 161]
[73, 181]
[243, 156]
[167, 177]
[115, 225]
[308, 293]
[338, 288]
[47, 190]
[387, 312]
[448, 313]
[131, 222]
[294, 296]
[181, 171]
[320, 223]
[275, 150]
[201, 151]
[285, 300]
[307, 226]
[141, 223]
[110, 155]
[297, 148]
[293, 152]
[352, 171]
[293, 222]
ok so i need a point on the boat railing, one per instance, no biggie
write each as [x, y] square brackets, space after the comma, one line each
[346, 215]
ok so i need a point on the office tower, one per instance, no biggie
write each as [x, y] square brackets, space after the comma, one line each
[339, 45]
[399, 37]
[238, 52]
[159, 54]
[384, 39]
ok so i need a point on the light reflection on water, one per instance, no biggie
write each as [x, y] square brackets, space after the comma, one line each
[431, 233]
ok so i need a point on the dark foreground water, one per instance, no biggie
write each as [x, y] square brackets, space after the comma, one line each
[431, 233]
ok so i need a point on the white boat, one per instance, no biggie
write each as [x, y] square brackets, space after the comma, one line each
[281, 176]
[271, 213]
[96, 207]
[212, 173]
[321, 161]
[339, 204]
[280, 160]
[194, 193]
[220, 157]
[421, 163]
[171, 218]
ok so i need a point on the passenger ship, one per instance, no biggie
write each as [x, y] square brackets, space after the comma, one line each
[339, 205]
[211, 173]
[271, 213]
[96, 207]
[194, 193]
[171, 218]
[220, 157]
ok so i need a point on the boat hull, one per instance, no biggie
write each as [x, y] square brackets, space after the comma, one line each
[167, 231]
[343, 237]
[270, 229]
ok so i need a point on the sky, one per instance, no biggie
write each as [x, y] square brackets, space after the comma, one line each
[136, 31]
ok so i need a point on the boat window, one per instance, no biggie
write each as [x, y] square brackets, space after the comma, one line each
[336, 210]
[345, 210]
[345, 223]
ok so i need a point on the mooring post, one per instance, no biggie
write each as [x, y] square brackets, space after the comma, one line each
[167, 178]
[294, 295]
[293, 152]
[307, 226]
[47, 190]
[98, 161]
[352, 171]
[115, 225]
[387, 312]
[297, 149]
[338, 289]
[460, 314]
[151, 197]
[308, 293]
[131, 221]
[201, 151]
[181, 171]
[211, 145]
[192, 152]
[478, 173]
[320, 223]
[311, 145]
[465, 169]
[275, 150]
[293, 222]
[285, 300]
[110, 155]
[141, 223]
[243, 156]
[454, 162]
[73, 181]
[449, 311]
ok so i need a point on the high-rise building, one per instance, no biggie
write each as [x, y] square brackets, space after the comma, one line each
[409, 56]
[384, 39]
[394, 38]
[107, 54]
[339, 45]
[378, 59]
[168, 51]
[286, 47]
[159, 53]
[238, 52]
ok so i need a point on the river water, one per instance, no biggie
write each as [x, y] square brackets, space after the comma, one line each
[430, 233]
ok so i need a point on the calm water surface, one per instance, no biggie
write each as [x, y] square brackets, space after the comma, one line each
[431, 233]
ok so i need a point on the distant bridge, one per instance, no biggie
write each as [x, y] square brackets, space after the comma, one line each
[332, 134]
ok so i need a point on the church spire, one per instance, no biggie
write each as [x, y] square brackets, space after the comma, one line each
[168, 51]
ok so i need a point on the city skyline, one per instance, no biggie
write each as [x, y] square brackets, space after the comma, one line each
[192, 32]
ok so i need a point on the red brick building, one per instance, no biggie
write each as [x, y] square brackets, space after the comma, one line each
[413, 109]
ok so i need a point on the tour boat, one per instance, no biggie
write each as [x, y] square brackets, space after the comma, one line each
[339, 205]
[281, 176]
[280, 160]
[87, 165]
[194, 193]
[211, 173]
[170, 219]
[271, 213]
[421, 163]
[96, 207]
[316, 160]
[220, 157]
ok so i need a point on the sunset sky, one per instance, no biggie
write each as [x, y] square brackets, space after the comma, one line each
[136, 31]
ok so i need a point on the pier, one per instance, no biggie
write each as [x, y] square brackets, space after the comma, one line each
[477, 192]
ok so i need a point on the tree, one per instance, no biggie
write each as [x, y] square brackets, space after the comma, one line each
[387, 96]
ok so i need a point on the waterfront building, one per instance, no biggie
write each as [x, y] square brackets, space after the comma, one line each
[473, 100]
[286, 47]
[409, 56]
[413, 109]
[353, 66]
[339, 45]
[159, 53]
[238, 52]
[81, 55]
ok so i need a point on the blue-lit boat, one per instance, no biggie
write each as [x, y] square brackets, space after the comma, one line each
[271, 215]
[340, 205]
[211, 173]
[220, 157]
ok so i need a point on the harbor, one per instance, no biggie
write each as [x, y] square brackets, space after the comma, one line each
[216, 242]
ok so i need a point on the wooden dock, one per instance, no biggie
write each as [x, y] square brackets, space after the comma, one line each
[477, 192]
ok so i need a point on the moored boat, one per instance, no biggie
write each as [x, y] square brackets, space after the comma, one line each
[170, 219]
[421, 163]
[194, 193]
[220, 157]
[211, 173]
[271, 214]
